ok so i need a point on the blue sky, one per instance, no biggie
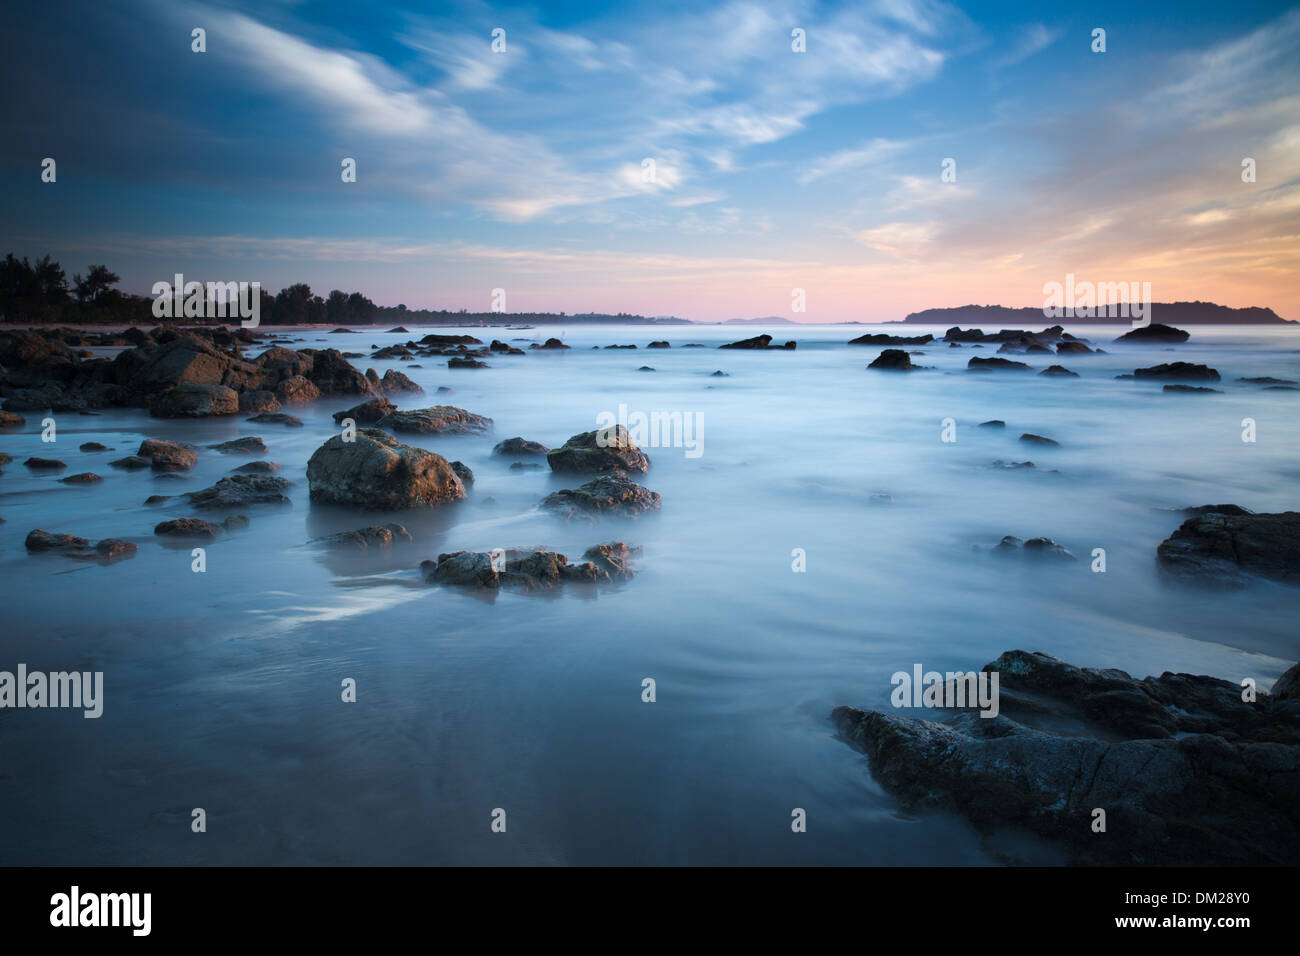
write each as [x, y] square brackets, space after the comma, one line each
[773, 170]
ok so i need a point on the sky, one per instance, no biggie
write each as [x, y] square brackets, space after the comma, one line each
[662, 159]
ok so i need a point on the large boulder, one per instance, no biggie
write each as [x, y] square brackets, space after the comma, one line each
[377, 472]
[296, 390]
[334, 375]
[597, 452]
[190, 400]
[1223, 550]
[435, 420]
[164, 455]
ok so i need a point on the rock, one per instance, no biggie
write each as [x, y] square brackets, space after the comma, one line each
[1033, 439]
[156, 499]
[978, 364]
[1155, 333]
[187, 528]
[463, 472]
[468, 363]
[608, 494]
[719, 374]
[1034, 548]
[1191, 388]
[878, 338]
[595, 452]
[296, 391]
[258, 401]
[1013, 465]
[283, 364]
[366, 539]
[645, 368]
[236, 491]
[332, 374]
[130, 463]
[522, 570]
[378, 472]
[1187, 773]
[84, 478]
[443, 340]
[993, 423]
[93, 446]
[1217, 509]
[257, 468]
[1223, 550]
[109, 550]
[525, 466]
[516, 447]
[190, 400]
[1184, 371]
[394, 383]
[499, 346]
[1268, 380]
[614, 559]
[11, 420]
[252, 445]
[39, 540]
[658, 345]
[276, 418]
[1059, 371]
[757, 342]
[235, 522]
[342, 331]
[165, 455]
[436, 420]
[44, 464]
[549, 344]
[368, 412]
[894, 360]
[1072, 348]
[1287, 687]
[373, 378]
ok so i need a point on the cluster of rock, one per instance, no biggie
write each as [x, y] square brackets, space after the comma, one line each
[1189, 770]
[610, 455]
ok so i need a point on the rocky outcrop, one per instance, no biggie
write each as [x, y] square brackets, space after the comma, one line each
[596, 452]
[296, 390]
[436, 420]
[332, 374]
[1186, 771]
[615, 495]
[396, 383]
[1224, 550]
[375, 471]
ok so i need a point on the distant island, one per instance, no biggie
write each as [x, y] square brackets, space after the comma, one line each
[765, 320]
[1166, 313]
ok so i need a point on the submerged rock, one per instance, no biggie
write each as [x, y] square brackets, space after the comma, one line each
[276, 418]
[526, 570]
[82, 478]
[1223, 550]
[516, 447]
[1179, 371]
[879, 338]
[1034, 547]
[463, 472]
[366, 539]
[608, 494]
[1059, 371]
[1032, 439]
[978, 364]
[758, 342]
[1187, 773]
[251, 445]
[105, 551]
[1192, 389]
[44, 464]
[368, 412]
[235, 491]
[376, 471]
[188, 528]
[596, 452]
[893, 360]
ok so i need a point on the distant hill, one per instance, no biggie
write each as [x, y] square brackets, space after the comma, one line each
[1168, 313]
[767, 320]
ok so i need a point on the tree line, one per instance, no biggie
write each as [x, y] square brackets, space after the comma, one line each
[39, 291]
